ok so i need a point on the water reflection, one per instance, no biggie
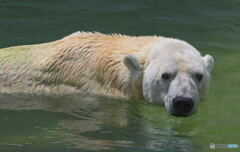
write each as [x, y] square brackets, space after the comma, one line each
[91, 123]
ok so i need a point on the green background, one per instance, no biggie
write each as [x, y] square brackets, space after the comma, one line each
[81, 123]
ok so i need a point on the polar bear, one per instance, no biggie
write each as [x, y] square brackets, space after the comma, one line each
[164, 71]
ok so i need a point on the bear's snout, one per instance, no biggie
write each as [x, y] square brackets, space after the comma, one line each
[182, 106]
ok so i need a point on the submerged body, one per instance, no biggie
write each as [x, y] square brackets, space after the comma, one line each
[89, 62]
[113, 65]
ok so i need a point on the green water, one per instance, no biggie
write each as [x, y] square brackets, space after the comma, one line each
[80, 123]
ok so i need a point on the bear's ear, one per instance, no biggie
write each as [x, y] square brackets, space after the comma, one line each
[132, 62]
[208, 62]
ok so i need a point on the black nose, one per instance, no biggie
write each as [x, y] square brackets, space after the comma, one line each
[182, 105]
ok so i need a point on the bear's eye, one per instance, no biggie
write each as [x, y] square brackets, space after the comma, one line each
[199, 76]
[166, 76]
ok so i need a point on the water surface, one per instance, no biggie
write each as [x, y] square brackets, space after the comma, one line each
[81, 123]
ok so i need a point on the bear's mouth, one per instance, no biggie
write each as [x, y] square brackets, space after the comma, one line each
[180, 114]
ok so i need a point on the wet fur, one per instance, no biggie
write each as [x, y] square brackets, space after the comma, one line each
[80, 62]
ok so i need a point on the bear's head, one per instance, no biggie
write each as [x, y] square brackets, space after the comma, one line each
[173, 74]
